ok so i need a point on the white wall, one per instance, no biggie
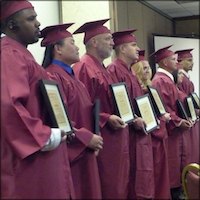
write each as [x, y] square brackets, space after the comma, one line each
[80, 12]
[180, 43]
[48, 14]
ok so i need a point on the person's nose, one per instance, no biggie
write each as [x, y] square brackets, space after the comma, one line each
[37, 23]
[112, 42]
[77, 48]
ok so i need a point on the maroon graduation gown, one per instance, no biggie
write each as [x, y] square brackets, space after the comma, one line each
[84, 167]
[186, 139]
[160, 162]
[169, 94]
[141, 157]
[187, 87]
[26, 171]
[113, 160]
[195, 155]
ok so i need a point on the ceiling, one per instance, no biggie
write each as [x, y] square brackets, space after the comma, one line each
[175, 8]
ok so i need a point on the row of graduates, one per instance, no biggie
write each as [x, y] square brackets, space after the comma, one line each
[122, 163]
[147, 157]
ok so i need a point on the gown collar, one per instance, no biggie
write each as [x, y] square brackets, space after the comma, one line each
[66, 67]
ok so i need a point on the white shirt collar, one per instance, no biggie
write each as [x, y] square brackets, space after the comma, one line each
[185, 73]
[166, 72]
[2, 35]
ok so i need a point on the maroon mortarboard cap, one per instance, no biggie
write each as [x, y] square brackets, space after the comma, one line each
[182, 54]
[141, 55]
[52, 34]
[92, 29]
[11, 7]
[122, 37]
[162, 53]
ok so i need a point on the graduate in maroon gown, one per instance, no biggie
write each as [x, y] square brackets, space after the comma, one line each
[61, 52]
[186, 142]
[113, 159]
[163, 81]
[143, 72]
[185, 60]
[141, 183]
[34, 157]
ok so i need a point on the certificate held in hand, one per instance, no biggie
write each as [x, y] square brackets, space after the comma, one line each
[55, 106]
[157, 101]
[122, 102]
[195, 100]
[190, 108]
[144, 108]
[181, 110]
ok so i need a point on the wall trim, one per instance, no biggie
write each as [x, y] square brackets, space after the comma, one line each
[187, 18]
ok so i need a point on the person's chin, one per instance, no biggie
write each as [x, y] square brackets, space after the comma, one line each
[108, 54]
[136, 57]
[34, 40]
[76, 60]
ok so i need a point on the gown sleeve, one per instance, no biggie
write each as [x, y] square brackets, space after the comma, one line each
[23, 131]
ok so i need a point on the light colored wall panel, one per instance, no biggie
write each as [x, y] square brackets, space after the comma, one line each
[168, 27]
[145, 20]
[135, 19]
[149, 25]
[160, 24]
[80, 12]
[134, 14]
[185, 27]
[121, 15]
[47, 14]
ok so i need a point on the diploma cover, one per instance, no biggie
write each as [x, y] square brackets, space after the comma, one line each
[96, 116]
[181, 110]
[55, 106]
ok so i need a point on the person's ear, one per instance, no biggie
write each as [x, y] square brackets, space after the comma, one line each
[122, 48]
[164, 61]
[94, 41]
[12, 25]
[57, 49]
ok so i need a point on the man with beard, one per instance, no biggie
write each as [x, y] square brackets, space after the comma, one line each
[113, 159]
